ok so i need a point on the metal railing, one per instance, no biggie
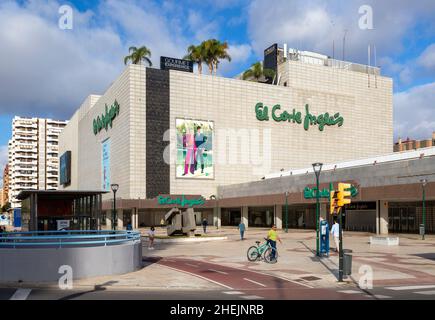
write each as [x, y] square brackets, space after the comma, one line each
[69, 238]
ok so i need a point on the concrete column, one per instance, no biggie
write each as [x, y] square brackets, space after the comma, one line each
[245, 216]
[324, 210]
[134, 218]
[217, 217]
[382, 217]
[120, 215]
[278, 216]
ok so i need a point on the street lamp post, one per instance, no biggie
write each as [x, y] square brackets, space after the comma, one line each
[115, 188]
[317, 167]
[423, 184]
[286, 211]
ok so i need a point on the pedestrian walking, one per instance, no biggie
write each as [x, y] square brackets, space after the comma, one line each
[335, 231]
[151, 236]
[242, 229]
[272, 236]
[204, 225]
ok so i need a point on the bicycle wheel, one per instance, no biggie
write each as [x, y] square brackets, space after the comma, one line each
[253, 254]
[268, 255]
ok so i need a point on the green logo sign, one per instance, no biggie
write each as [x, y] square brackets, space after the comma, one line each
[182, 202]
[106, 118]
[322, 120]
[311, 193]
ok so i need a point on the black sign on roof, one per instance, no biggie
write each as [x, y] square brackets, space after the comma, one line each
[167, 63]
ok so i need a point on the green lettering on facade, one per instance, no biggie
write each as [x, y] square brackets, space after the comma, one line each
[180, 201]
[322, 120]
[107, 118]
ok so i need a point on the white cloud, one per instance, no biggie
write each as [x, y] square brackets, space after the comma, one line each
[314, 24]
[427, 58]
[239, 54]
[46, 71]
[414, 111]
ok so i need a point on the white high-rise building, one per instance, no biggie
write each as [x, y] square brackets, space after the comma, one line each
[33, 155]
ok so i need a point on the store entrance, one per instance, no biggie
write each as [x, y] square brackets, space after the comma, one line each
[231, 217]
[402, 220]
[261, 217]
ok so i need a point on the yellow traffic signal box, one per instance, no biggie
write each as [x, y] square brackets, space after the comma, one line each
[334, 208]
[343, 192]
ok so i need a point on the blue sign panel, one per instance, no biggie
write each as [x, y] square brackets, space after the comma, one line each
[17, 218]
[105, 165]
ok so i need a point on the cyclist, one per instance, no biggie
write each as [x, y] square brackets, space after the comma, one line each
[272, 236]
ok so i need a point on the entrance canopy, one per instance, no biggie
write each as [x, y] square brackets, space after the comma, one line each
[42, 209]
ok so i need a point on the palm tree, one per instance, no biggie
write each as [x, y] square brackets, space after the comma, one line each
[256, 72]
[137, 55]
[196, 54]
[214, 52]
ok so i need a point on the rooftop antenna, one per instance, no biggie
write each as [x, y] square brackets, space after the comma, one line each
[376, 66]
[369, 66]
[344, 44]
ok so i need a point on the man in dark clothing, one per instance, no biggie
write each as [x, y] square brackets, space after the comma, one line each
[204, 225]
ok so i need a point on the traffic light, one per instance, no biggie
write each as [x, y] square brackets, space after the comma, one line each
[343, 192]
[334, 208]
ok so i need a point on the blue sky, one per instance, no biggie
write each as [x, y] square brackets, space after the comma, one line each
[48, 72]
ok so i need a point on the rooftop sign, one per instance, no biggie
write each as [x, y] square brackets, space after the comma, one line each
[106, 119]
[167, 63]
[321, 120]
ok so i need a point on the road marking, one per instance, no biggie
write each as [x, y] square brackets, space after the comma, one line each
[380, 296]
[221, 272]
[260, 284]
[192, 265]
[411, 287]
[282, 278]
[350, 291]
[196, 275]
[233, 292]
[251, 297]
[21, 294]
[426, 292]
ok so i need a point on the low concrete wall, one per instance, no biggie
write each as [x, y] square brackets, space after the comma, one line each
[42, 264]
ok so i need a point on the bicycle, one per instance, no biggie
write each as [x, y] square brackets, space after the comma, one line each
[262, 251]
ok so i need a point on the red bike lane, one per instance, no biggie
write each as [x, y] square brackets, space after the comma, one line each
[251, 283]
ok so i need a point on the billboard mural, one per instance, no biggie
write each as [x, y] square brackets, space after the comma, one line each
[194, 149]
[105, 165]
[65, 168]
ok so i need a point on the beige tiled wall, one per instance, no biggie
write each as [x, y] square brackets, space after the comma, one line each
[127, 138]
[230, 103]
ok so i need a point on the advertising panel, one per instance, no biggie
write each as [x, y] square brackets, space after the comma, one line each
[65, 168]
[105, 165]
[194, 149]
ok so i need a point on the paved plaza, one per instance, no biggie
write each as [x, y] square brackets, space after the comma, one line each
[220, 270]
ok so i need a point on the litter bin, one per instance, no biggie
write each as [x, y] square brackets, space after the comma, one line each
[347, 264]
[422, 229]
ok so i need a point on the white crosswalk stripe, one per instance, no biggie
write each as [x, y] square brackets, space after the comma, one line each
[21, 294]
[403, 288]
[428, 293]
[252, 297]
[233, 292]
[350, 291]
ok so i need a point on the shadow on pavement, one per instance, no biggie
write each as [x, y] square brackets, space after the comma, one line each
[98, 287]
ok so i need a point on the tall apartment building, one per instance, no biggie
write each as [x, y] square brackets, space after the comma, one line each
[4, 192]
[33, 155]
[408, 144]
